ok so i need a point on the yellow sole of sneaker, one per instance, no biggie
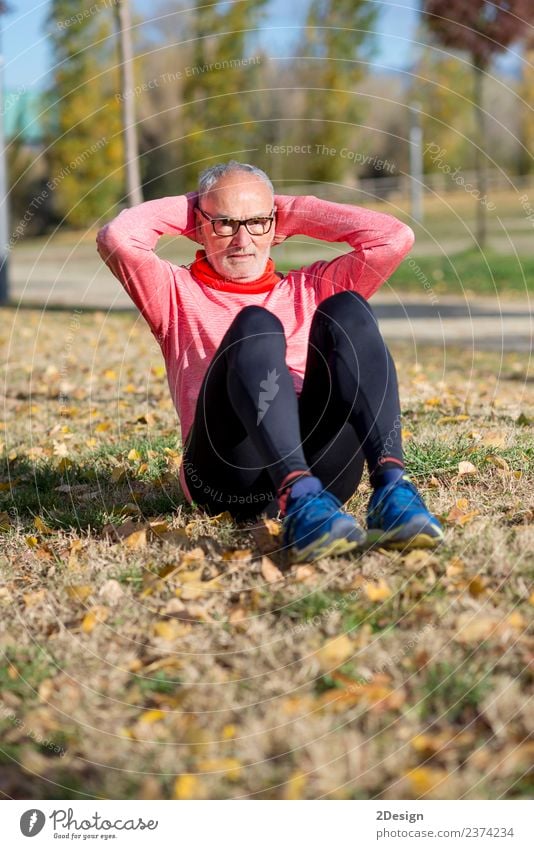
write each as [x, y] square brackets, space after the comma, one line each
[314, 552]
[419, 541]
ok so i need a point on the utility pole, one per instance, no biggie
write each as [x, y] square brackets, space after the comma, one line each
[124, 26]
[4, 226]
[416, 161]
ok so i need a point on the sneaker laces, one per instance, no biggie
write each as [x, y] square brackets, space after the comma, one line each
[406, 495]
[314, 504]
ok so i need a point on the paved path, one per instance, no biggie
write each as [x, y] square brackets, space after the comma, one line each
[69, 280]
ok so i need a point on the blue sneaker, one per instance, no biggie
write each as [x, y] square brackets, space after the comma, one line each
[398, 518]
[315, 525]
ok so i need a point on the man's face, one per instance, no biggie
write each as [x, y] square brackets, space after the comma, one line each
[236, 195]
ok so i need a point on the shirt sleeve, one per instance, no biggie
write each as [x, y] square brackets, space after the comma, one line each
[379, 241]
[126, 244]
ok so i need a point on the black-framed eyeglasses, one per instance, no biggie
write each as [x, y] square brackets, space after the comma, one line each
[230, 226]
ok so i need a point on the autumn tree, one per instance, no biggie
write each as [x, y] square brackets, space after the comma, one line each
[482, 29]
[204, 69]
[337, 42]
[123, 20]
[221, 83]
[526, 91]
[83, 119]
[442, 89]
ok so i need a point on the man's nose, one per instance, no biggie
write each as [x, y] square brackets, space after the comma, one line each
[241, 238]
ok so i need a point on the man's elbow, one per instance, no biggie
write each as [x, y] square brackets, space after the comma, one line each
[107, 241]
[404, 240]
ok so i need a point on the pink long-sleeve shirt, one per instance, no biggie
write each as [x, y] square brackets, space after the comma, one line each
[189, 318]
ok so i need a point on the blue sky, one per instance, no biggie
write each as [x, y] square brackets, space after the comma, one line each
[26, 57]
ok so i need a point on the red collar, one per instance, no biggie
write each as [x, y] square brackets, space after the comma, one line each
[204, 272]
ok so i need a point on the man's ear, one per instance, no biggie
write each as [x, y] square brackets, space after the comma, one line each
[198, 231]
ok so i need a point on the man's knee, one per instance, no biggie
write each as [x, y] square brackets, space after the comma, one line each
[254, 329]
[348, 311]
[253, 320]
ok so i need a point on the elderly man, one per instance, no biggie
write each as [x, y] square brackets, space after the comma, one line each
[283, 383]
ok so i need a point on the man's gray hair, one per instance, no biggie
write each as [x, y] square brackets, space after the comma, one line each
[214, 173]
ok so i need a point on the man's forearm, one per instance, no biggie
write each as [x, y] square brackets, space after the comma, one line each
[140, 227]
[336, 222]
[127, 245]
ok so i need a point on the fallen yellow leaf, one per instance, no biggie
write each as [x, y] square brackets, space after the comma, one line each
[150, 716]
[231, 767]
[225, 516]
[170, 629]
[499, 462]
[335, 652]
[424, 780]
[476, 628]
[136, 540]
[93, 617]
[186, 787]
[229, 732]
[418, 559]
[306, 574]
[516, 620]
[270, 570]
[494, 439]
[476, 586]
[459, 514]
[455, 567]
[467, 468]
[241, 555]
[377, 591]
[41, 526]
[32, 599]
[452, 419]
[295, 786]
[5, 486]
[79, 592]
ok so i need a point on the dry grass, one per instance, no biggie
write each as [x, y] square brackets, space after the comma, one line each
[154, 653]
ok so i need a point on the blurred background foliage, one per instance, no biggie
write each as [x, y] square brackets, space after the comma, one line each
[210, 86]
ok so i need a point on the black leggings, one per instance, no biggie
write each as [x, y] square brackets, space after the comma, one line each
[251, 428]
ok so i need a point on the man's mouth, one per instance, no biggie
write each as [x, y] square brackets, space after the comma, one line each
[239, 256]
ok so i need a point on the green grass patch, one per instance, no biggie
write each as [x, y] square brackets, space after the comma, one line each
[160, 682]
[484, 273]
[436, 456]
[452, 693]
[23, 669]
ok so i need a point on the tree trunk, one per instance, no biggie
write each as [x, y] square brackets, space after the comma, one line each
[481, 166]
[4, 221]
[133, 180]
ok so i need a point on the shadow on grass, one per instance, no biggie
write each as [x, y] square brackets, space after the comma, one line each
[87, 495]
